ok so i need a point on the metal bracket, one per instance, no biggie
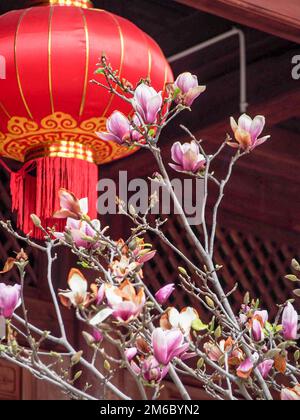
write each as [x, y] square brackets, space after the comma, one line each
[243, 59]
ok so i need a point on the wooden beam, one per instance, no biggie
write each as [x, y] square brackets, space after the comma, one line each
[280, 17]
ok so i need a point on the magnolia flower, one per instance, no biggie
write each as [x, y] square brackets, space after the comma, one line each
[147, 103]
[216, 351]
[257, 329]
[78, 294]
[291, 394]
[82, 233]
[167, 345]
[97, 336]
[264, 316]
[244, 314]
[131, 353]
[265, 368]
[119, 129]
[100, 294]
[247, 132]
[245, 369]
[181, 320]
[213, 351]
[257, 324]
[124, 301]
[10, 262]
[153, 371]
[187, 157]
[142, 252]
[137, 249]
[163, 294]
[150, 369]
[71, 207]
[189, 88]
[122, 268]
[290, 322]
[10, 299]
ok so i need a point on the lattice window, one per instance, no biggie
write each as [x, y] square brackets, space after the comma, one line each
[8, 245]
[256, 264]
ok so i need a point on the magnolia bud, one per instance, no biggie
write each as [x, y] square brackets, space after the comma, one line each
[200, 363]
[183, 271]
[89, 339]
[295, 265]
[107, 365]
[76, 358]
[210, 302]
[36, 220]
[218, 332]
[77, 375]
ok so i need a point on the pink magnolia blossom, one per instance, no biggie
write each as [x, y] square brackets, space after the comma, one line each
[290, 394]
[245, 369]
[142, 259]
[153, 371]
[257, 329]
[97, 335]
[147, 103]
[163, 294]
[216, 351]
[213, 351]
[123, 267]
[189, 88]
[10, 299]
[187, 157]
[100, 294]
[130, 353]
[141, 251]
[290, 322]
[168, 344]
[264, 315]
[265, 368]
[125, 302]
[71, 207]
[80, 232]
[247, 132]
[120, 129]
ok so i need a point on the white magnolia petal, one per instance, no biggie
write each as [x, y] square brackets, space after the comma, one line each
[78, 283]
[112, 297]
[101, 316]
[186, 319]
[173, 315]
[84, 205]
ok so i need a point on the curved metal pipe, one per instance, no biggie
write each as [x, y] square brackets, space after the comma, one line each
[243, 59]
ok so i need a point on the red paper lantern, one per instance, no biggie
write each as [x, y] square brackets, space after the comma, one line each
[49, 112]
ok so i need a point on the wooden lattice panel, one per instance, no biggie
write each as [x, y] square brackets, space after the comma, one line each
[9, 245]
[257, 264]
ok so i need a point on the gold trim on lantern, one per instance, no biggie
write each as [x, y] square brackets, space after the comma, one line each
[24, 135]
[16, 64]
[87, 60]
[85, 4]
[50, 60]
[122, 47]
[61, 149]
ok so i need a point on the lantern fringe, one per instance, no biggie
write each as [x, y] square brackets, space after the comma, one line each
[35, 187]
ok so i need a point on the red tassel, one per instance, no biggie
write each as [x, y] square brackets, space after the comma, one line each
[35, 189]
